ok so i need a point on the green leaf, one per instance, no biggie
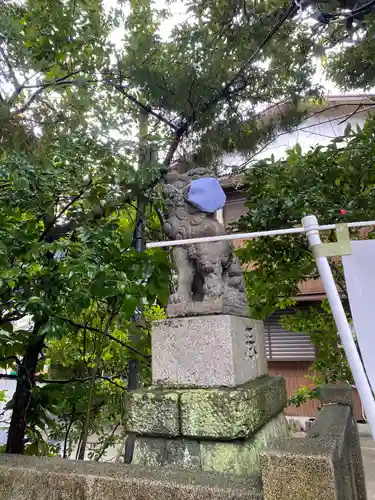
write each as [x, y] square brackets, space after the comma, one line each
[34, 300]
[11, 284]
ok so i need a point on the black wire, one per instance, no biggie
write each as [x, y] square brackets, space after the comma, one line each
[361, 10]
[328, 16]
[289, 12]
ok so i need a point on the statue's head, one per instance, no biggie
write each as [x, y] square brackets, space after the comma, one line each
[181, 166]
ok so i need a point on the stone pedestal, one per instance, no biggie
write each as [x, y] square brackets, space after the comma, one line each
[207, 351]
[212, 406]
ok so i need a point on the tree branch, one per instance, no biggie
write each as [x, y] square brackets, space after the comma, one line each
[27, 104]
[10, 358]
[176, 139]
[351, 114]
[67, 206]
[145, 107]
[97, 330]
[336, 106]
[67, 431]
[130, 348]
[39, 90]
[12, 74]
[110, 315]
[81, 380]
[8, 319]
[339, 278]
[42, 380]
[106, 442]
[95, 213]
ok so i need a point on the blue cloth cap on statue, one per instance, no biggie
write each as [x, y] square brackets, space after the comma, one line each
[207, 194]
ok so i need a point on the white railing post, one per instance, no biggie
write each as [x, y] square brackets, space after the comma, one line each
[311, 227]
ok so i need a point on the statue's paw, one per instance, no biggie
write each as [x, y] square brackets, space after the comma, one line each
[212, 291]
[237, 283]
[178, 298]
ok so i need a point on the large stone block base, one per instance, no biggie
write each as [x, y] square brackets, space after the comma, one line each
[223, 414]
[220, 430]
[238, 457]
[220, 350]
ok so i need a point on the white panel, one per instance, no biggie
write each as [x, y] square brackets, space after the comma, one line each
[359, 271]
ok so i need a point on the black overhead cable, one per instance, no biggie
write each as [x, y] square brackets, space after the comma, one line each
[288, 13]
[347, 15]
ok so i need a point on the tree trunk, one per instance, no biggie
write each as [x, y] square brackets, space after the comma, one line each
[22, 395]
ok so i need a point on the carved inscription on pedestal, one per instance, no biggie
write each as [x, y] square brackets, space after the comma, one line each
[251, 344]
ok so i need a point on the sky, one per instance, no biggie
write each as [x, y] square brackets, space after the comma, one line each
[308, 134]
[178, 14]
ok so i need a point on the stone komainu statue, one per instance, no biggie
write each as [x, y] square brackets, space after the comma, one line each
[210, 280]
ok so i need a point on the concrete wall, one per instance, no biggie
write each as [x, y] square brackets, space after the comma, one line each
[35, 478]
[325, 465]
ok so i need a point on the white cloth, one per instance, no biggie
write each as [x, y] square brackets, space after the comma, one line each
[359, 269]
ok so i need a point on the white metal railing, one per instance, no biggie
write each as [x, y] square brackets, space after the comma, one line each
[248, 236]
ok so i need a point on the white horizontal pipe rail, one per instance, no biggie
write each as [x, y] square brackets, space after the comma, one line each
[249, 236]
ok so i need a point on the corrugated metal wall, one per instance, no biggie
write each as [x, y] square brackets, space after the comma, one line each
[283, 345]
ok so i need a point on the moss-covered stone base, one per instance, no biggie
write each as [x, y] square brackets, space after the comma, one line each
[216, 414]
[238, 457]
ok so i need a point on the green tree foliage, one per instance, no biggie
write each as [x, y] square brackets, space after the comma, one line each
[351, 65]
[67, 213]
[330, 364]
[336, 184]
[205, 81]
[66, 247]
[71, 361]
[70, 98]
[199, 81]
[69, 104]
[82, 271]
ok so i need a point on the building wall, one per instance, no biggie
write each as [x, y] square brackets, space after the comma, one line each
[324, 125]
[234, 206]
[296, 374]
[326, 122]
